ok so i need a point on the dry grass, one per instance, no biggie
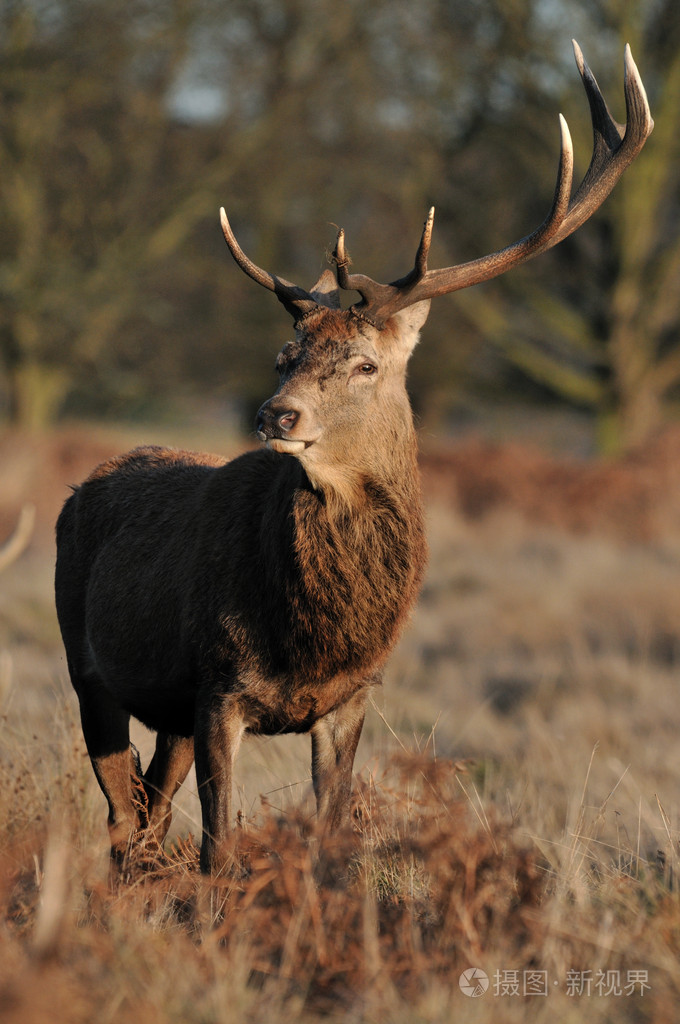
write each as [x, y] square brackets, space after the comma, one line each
[515, 810]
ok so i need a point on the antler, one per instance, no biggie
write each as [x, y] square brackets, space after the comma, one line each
[614, 147]
[297, 301]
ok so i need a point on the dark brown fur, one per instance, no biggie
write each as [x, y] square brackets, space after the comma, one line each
[207, 598]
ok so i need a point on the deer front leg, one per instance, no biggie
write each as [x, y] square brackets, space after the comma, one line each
[334, 744]
[218, 732]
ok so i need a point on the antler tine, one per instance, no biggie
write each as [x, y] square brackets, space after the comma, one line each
[420, 266]
[297, 301]
[615, 146]
[371, 291]
[374, 294]
[424, 247]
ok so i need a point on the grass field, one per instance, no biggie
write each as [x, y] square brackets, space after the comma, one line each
[516, 793]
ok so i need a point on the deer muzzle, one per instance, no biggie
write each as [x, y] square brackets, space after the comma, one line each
[280, 424]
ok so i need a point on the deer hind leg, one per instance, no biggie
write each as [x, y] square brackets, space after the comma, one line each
[334, 744]
[106, 728]
[167, 771]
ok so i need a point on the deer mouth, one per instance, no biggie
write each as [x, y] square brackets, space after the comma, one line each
[285, 445]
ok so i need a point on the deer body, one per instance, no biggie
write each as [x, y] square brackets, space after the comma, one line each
[314, 597]
[209, 598]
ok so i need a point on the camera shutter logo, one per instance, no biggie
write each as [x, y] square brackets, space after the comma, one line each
[473, 982]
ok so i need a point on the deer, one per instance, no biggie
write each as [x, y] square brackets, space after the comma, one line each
[212, 598]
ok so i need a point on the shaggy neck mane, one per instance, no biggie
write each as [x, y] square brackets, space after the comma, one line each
[355, 573]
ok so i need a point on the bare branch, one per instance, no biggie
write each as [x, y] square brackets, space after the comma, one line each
[18, 541]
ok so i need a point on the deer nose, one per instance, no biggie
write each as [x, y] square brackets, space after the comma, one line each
[273, 420]
[288, 419]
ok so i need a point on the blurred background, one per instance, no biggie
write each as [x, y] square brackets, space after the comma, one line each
[544, 653]
[125, 124]
[546, 645]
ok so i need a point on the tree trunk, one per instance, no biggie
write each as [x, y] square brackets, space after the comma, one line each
[35, 393]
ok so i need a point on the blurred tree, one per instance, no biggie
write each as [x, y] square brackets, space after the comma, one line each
[84, 140]
[124, 126]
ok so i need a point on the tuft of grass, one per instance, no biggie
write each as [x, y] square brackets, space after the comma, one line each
[376, 925]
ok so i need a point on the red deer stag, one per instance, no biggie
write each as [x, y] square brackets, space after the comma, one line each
[210, 598]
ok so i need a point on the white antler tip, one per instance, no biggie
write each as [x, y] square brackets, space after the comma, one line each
[629, 65]
[578, 56]
[340, 246]
[633, 81]
[565, 135]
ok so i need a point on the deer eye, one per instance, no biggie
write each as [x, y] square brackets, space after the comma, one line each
[364, 369]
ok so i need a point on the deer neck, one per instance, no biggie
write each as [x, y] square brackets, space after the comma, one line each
[386, 459]
[356, 572]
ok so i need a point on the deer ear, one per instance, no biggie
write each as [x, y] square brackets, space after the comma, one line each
[410, 320]
[326, 291]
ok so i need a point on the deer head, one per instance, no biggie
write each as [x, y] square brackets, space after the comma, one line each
[345, 363]
[340, 371]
